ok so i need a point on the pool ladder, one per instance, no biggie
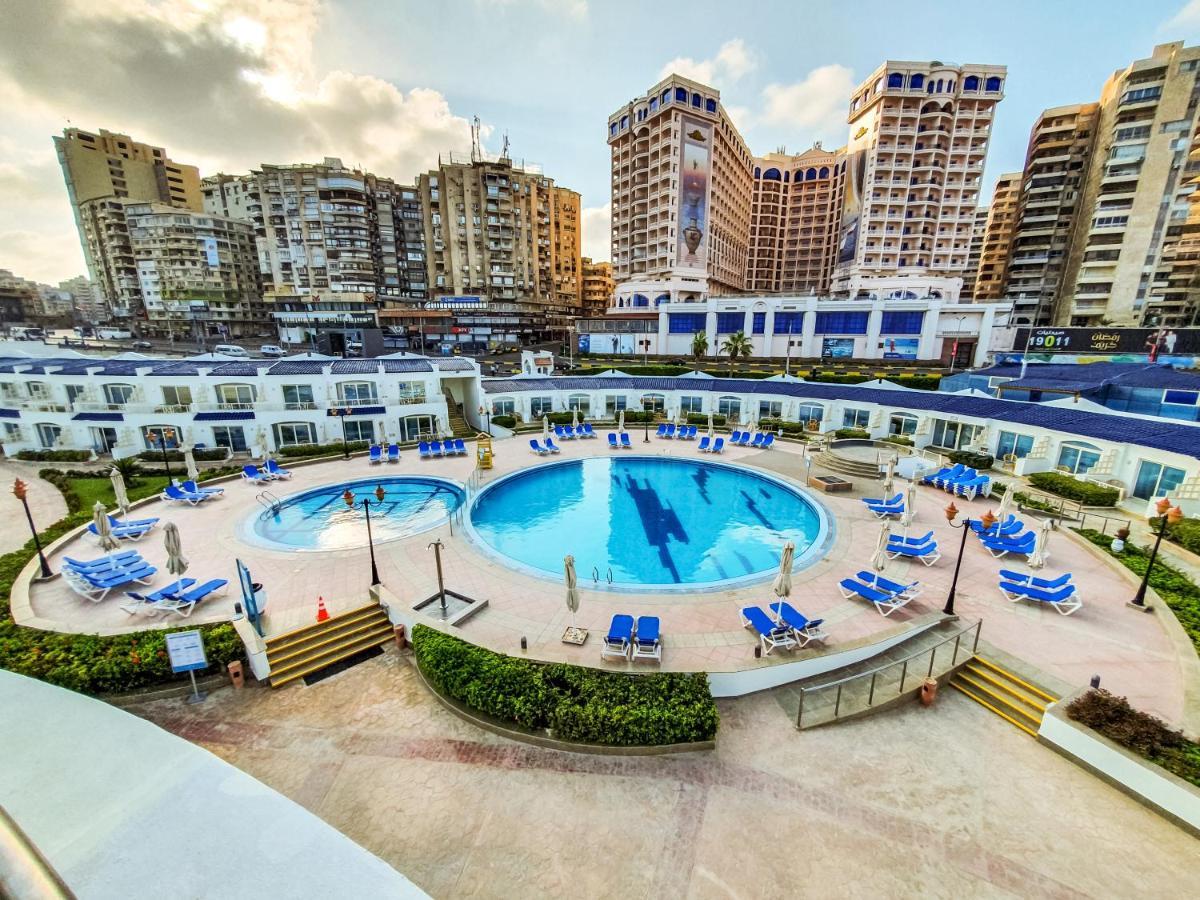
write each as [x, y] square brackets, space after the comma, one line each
[269, 502]
[596, 576]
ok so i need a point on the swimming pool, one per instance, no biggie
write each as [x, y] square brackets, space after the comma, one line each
[320, 520]
[655, 523]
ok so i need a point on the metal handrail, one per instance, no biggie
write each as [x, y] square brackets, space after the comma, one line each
[904, 661]
[25, 874]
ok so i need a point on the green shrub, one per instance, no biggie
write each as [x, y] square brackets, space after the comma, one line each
[1085, 492]
[300, 451]
[206, 455]
[792, 428]
[505, 421]
[1185, 533]
[54, 455]
[1141, 732]
[898, 439]
[702, 419]
[977, 461]
[852, 433]
[574, 703]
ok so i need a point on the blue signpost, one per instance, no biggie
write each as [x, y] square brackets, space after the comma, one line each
[185, 650]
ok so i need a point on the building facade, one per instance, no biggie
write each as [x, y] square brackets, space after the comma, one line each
[997, 238]
[919, 134]
[682, 186]
[1179, 305]
[19, 302]
[974, 252]
[598, 286]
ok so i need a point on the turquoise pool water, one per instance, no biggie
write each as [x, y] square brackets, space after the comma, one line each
[655, 523]
[320, 520]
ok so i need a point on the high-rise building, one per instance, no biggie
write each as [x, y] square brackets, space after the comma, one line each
[997, 238]
[598, 286]
[89, 304]
[1056, 161]
[919, 135]
[682, 184]
[18, 299]
[1180, 303]
[1135, 196]
[796, 205]
[974, 252]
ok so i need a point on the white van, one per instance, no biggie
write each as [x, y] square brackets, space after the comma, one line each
[231, 350]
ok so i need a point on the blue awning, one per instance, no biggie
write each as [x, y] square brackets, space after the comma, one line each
[367, 411]
[229, 415]
[98, 417]
[10, 414]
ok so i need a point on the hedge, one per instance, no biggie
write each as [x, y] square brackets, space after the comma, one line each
[206, 455]
[978, 461]
[781, 425]
[854, 433]
[1073, 489]
[1185, 533]
[898, 439]
[702, 419]
[54, 455]
[505, 421]
[304, 450]
[572, 702]
[1144, 734]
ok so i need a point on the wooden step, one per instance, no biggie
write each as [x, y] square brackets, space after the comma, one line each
[1033, 689]
[283, 660]
[998, 697]
[982, 674]
[962, 690]
[334, 654]
[331, 627]
[304, 632]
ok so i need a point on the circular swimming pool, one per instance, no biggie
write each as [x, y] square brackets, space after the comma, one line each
[320, 520]
[647, 523]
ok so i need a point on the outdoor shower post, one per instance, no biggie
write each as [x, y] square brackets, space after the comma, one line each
[437, 558]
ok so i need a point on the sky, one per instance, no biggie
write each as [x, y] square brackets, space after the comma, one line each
[230, 84]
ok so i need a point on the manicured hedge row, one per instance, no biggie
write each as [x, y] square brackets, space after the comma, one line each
[1185, 533]
[207, 455]
[54, 455]
[977, 461]
[702, 419]
[898, 439]
[574, 703]
[1085, 492]
[784, 426]
[505, 421]
[1144, 734]
[301, 451]
[855, 433]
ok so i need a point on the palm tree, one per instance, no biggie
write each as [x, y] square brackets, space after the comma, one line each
[737, 345]
[699, 347]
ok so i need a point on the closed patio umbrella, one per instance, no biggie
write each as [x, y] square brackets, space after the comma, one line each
[1037, 559]
[545, 426]
[621, 421]
[879, 560]
[177, 563]
[1006, 503]
[103, 527]
[910, 504]
[889, 477]
[575, 417]
[782, 585]
[118, 483]
[189, 460]
[572, 586]
[710, 425]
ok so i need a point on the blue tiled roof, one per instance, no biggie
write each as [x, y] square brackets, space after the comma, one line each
[98, 417]
[229, 415]
[1169, 436]
[354, 367]
[247, 367]
[180, 367]
[298, 367]
[454, 365]
[396, 366]
[1089, 376]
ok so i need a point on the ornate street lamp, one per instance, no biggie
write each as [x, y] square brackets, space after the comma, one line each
[348, 497]
[987, 520]
[19, 491]
[165, 435]
[1167, 515]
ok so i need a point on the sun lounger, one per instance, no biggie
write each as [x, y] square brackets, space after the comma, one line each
[662, 431]
[703, 446]
[768, 441]
[979, 486]
[928, 553]
[153, 520]
[803, 629]
[1022, 545]
[460, 446]
[758, 440]
[735, 437]
[771, 634]
[152, 603]
[177, 495]
[612, 441]
[1063, 599]
[887, 586]
[374, 454]
[275, 471]
[936, 478]
[646, 642]
[435, 448]
[1010, 526]
[95, 585]
[551, 446]
[1045, 584]
[587, 430]
[113, 560]
[877, 501]
[123, 532]
[619, 637]
[423, 450]
[183, 603]
[190, 487]
[249, 473]
[885, 603]
[926, 538]
[718, 445]
[625, 444]
[394, 452]
[537, 448]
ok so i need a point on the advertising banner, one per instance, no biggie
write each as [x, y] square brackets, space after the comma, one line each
[837, 348]
[1134, 344]
[900, 348]
[856, 186]
[585, 343]
[695, 169]
[210, 253]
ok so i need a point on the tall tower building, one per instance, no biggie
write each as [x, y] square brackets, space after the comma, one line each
[974, 252]
[597, 287]
[1056, 162]
[795, 210]
[1180, 303]
[919, 134]
[997, 238]
[682, 181]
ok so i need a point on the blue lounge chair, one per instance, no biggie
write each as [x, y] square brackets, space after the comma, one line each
[551, 446]
[153, 520]
[1011, 525]
[95, 584]
[718, 445]
[703, 446]
[274, 470]
[435, 448]
[886, 585]
[537, 448]
[249, 473]
[612, 441]
[121, 559]
[735, 437]
[1063, 599]
[190, 487]
[771, 634]
[768, 441]
[374, 454]
[671, 430]
[123, 532]
[1033, 581]
[646, 642]
[662, 431]
[926, 553]
[876, 501]
[949, 484]
[394, 453]
[884, 512]
[803, 629]
[977, 486]
[758, 440]
[625, 445]
[949, 472]
[587, 430]
[423, 449]
[177, 495]
[926, 538]
[152, 603]
[1021, 545]
[885, 603]
[460, 446]
[184, 603]
[619, 637]
[559, 433]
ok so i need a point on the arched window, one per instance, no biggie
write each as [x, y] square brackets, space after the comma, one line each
[681, 94]
[661, 299]
[929, 89]
[895, 80]
[612, 129]
[696, 100]
[824, 173]
[654, 402]
[580, 402]
[993, 83]
[772, 175]
[916, 81]
[810, 174]
[666, 96]
[710, 106]
[757, 172]
[971, 83]
[641, 300]
[939, 85]
[653, 104]
[785, 176]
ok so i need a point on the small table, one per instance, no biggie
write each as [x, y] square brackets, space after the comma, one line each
[830, 484]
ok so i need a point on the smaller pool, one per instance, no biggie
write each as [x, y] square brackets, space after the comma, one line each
[320, 520]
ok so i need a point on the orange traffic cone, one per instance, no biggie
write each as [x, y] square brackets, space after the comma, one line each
[322, 612]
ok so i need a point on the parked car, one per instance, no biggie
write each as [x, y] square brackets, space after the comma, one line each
[272, 350]
[353, 348]
[231, 350]
[142, 345]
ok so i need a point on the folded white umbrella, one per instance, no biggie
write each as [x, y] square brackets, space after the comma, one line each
[118, 483]
[189, 460]
[177, 563]
[621, 421]
[782, 585]
[910, 503]
[710, 424]
[1006, 502]
[545, 426]
[1041, 547]
[575, 417]
[572, 586]
[103, 527]
[879, 560]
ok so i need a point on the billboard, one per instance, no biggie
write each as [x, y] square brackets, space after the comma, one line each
[900, 348]
[695, 167]
[837, 348]
[855, 179]
[1134, 344]
[210, 253]
[585, 343]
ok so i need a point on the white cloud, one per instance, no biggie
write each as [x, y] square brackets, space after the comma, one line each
[597, 224]
[1187, 19]
[733, 61]
[813, 108]
[575, 9]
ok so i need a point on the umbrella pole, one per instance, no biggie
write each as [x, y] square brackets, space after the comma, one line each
[437, 558]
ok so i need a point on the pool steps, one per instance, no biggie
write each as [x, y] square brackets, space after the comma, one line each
[306, 650]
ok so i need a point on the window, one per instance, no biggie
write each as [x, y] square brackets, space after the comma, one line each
[729, 407]
[811, 412]
[895, 80]
[289, 434]
[1140, 94]
[681, 95]
[842, 322]
[1182, 398]
[710, 105]
[614, 403]
[235, 396]
[902, 424]
[696, 100]
[971, 83]
[410, 392]
[539, 406]
[760, 323]
[856, 418]
[689, 404]
[298, 396]
[730, 322]
[114, 394]
[1134, 133]
[1128, 151]
[1156, 480]
[504, 407]
[1078, 458]
[770, 409]
[176, 398]
[953, 435]
[231, 436]
[1014, 445]
[580, 402]
[654, 402]
[916, 81]
[74, 392]
[902, 322]
[685, 323]
[48, 435]
[992, 84]
[359, 429]
[789, 322]
[357, 393]
[153, 436]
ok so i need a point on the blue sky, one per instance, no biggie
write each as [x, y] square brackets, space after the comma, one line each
[229, 84]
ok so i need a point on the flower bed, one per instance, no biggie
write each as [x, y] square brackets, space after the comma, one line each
[1144, 734]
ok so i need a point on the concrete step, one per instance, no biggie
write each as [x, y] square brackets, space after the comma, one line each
[846, 466]
[1011, 697]
[309, 649]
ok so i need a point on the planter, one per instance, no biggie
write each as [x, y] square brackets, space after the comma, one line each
[929, 689]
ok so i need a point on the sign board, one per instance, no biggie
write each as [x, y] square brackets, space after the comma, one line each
[900, 348]
[185, 649]
[470, 301]
[338, 411]
[837, 347]
[1150, 343]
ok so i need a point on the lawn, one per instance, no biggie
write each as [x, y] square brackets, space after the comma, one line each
[89, 490]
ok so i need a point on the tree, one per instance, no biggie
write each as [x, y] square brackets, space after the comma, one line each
[735, 346]
[699, 347]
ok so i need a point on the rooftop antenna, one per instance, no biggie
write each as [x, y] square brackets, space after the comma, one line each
[476, 154]
[504, 151]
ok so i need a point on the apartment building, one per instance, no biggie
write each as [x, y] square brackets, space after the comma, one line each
[598, 287]
[997, 238]
[1135, 196]
[1045, 235]
[682, 188]
[919, 134]
[795, 209]
[1179, 305]
[974, 252]
[86, 300]
[19, 301]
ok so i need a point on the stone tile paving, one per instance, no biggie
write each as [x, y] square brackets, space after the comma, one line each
[45, 503]
[947, 802]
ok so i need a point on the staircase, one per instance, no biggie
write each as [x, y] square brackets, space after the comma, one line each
[829, 460]
[458, 425]
[1009, 697]
[314, 647]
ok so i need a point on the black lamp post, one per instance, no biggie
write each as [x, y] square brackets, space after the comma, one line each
[645, 422]
[164, 435]
[987, 521]
[1167, 515]
[348, 497]
[341, 412]
[19, 491]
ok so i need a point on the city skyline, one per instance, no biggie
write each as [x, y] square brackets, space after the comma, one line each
[234, 84]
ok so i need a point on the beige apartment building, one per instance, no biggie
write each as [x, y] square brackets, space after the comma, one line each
[598, 284]
[1045, 236]
[795, 210]
[974, 252]
[682, 187]
[997, 238]
[1134, 199]
[919, 134]
[1179, 305]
